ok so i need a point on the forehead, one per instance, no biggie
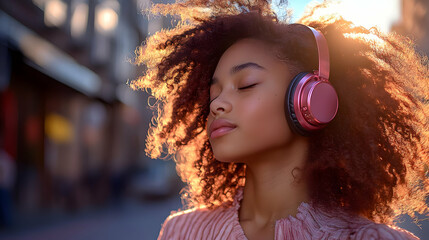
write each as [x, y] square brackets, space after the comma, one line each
[247, 50]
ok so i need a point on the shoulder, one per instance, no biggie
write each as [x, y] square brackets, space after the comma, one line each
[382, 231]
[197, 222]
[338, 224]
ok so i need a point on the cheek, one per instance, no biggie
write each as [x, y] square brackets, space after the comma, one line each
[266, 118]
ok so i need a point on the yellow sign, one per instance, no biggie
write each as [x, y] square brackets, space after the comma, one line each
[58, 128]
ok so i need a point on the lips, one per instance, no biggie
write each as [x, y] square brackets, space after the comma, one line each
[220, 127]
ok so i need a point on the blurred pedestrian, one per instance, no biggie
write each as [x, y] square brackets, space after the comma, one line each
[7, 180]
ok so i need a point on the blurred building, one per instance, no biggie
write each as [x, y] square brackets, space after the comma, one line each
[70, 123]
[414, 23]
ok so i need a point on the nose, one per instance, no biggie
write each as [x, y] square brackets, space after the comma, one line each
[220, 105]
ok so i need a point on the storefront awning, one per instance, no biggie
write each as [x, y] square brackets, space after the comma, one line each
[49, 59]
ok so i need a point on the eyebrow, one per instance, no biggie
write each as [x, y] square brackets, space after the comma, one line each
[240, 67]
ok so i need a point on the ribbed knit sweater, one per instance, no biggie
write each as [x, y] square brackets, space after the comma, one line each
[310, 223]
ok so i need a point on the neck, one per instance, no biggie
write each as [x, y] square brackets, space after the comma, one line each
[271, 191]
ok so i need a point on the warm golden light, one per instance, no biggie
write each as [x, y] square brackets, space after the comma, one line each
[55, 12]
[58, 128]
[106, 18]
[370, 13]
[79, 20]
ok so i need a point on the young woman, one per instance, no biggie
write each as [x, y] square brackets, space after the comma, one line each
[281, 134]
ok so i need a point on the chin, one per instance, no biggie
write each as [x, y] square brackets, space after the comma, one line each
[230, 158]
[227, 158]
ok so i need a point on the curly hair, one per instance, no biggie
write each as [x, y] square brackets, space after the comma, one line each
[371, 160]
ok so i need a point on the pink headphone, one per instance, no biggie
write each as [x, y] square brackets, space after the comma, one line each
[311, 101]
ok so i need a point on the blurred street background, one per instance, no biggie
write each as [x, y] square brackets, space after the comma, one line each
[72, 133]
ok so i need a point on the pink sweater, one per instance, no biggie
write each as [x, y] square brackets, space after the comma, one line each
[309, 223]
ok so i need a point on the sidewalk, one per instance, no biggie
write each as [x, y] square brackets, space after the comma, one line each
[133, 220]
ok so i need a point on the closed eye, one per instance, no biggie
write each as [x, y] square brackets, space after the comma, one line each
[248, 86]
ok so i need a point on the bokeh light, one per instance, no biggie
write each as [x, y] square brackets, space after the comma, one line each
[79, 19]
[55, 12]
[106, 16]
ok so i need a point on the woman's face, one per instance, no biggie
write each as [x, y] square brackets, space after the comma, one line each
[247, 116]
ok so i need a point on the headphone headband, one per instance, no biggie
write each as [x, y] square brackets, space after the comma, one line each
[322, 53]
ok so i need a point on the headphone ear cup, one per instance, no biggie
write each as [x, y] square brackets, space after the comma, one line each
[289, 105]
